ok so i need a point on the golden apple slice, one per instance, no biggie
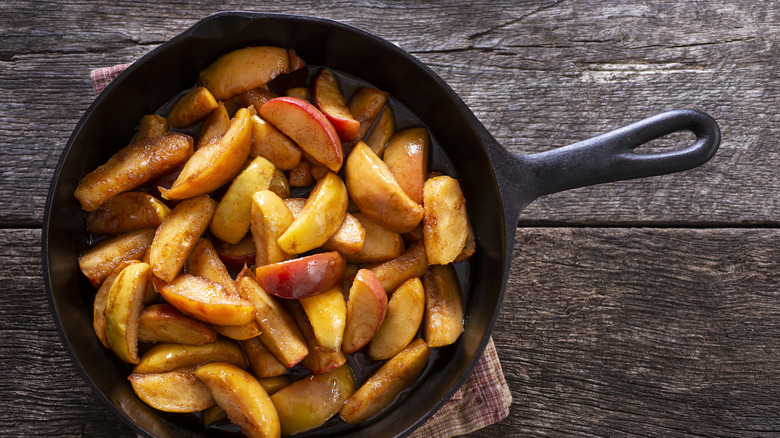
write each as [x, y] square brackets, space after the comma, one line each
[307, 127]
[321, 216]
[377, 193]
[348, 238]
[98, 262]
[162, 358]
[469, 248]
[396, 375]
[301, 176]
[193, 106]
[173, 391]
[366, 309]
[233, 214]
[365, 105]
[215, 126]
[213, 415]
[123, 307]
[379, 243]
[279, 334]
[256, 97]
[330, 101]
[318, 360]
[205, 262]
[132, 166]
[280, 184]
[125, 212]
[239, 332]
[311, 401]
[445, 225]
[178, 234]
[270, 217]
[261, 361]
[302, 277]
[406, 155]
[384, 128]
[151, 125]
[327, 313]
[164, 323]
[216, 162]
[242, 397]
[412, 263]
[402, 321]
[99, 305]
[274, 384]
[299, 92]
[238, 255]
[206, 300]
[243, 69]
[270, 143]
[443, 319]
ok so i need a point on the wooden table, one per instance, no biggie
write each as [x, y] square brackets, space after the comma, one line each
[648, 307]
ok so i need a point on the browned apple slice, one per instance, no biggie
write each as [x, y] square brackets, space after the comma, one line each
[238, 255]
[98, 262]
[178, 234]
[206, 300]
[330, 101]
[384, 127]
[173, 391]
[239, 332]
[151, 125]
[299, 92]
[243, 398]
[99, 305]
[270, 143]
[327, 314]
[132, 166]
[402, 321]
[469, 248]
[318, 360]
[280, 184]
[244, 69]
[302, 277]
[406, 155]
[379, 243]
[396, 375]
[279, 333]
[366, 309]
[164, 323]
[162, 358]
[215, 126]
[365, 105]
[234, 212]
[216, 162]
[193, 106]
[256, 97]
[261, 361]
[123, 307]
[274, 384]
[270, 217]
[321, 217]
[412, 263]
[205, 262]
[125, 212]
[307, 127]
[377, 193]
[443, 320]
[301, 176]
[445, 226]
[348, 238]
[311, 401]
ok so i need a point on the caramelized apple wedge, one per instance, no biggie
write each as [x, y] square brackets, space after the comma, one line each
[215, 126]
[366, 309]
[261, 361]
[412, 263]
[270, 217]
[402, 321]
[445, 225]
[348, 238]
[243, 398]
[132, 166]
[98, 262]
[99, 305]
[205, 262]
[123, 307]
[319, 360]
[270, 143]
[330, 101]
[244, 69]
[379, 243]
[193, 106]
[160, 323]
[205, 300]
[384, 127]
[327, 314]
[396, 375]
[215, 163]
[312, 400]
[302, 277]
[406, 155]
[125, 212]
[162, 358]
[365, 105]
[238, 255]
[443, 319]
[151, 125]
[172, 391]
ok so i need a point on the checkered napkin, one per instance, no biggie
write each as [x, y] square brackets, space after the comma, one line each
[483, 399]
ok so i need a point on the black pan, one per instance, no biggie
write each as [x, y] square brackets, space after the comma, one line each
[496, 183]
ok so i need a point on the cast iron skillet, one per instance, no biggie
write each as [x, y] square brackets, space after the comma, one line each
[497, 186]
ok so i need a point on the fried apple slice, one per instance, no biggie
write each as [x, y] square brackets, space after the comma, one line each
[151, 125]
[215, 163]
[123, 307]
[348, 238]
[280, 184]
[384, 128]
[299, 92]
[162, 358]
[239, 332]
[470, 247]
[327, 314]
[256, 97]
[379, 243]
[125, 212]
[443, 319]
[193, 106]
[270, 217]
[270, 143]
[234, 212]
[164, 323]
[261, 361]
[132, 166]
[98, 262]
[321, 217]
[243, 398]
[396, 375]
[99, 305]
[205, 262]
[406, 155]
[215, 126]
[238, 255]
[312, 400]
[402, 321]
[243, 69]
[366, 309]
[330, 101]
[172, 391]
[445, 225]
[206, 300]
[318, 360]
[301, 176]
[302, 277]
[365, 105]
[178, 234]
[412, 263]
[377, 193]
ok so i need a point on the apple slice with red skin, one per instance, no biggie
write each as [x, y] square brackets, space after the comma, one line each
[302, 277]
[308, 127]
[330, 101]
[366, 309]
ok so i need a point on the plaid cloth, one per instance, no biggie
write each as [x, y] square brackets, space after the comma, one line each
[483, 399]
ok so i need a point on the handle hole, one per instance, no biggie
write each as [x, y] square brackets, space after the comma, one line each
[671, 142]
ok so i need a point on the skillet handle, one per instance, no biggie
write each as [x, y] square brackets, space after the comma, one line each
[610, 156]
